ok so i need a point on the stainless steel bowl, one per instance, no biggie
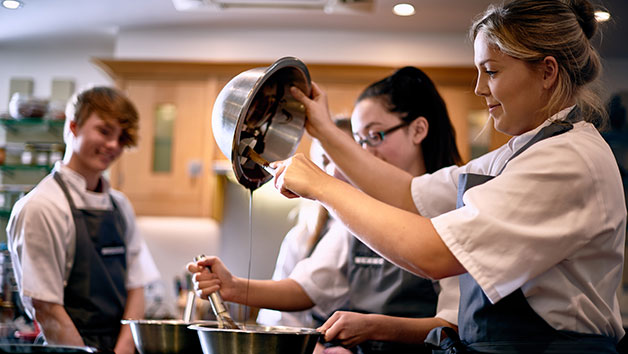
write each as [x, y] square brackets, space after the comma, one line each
[256, 339]
[256, 109]
[165, 336]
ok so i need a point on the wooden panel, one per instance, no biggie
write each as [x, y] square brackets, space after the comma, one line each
[457, 100]
[358, 74]
[175, 192]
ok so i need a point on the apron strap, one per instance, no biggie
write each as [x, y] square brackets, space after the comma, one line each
[445, 340]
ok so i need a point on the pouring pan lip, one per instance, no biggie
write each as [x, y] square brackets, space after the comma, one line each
[258, 329]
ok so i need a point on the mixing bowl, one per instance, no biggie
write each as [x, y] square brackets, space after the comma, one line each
[256, 110]
[165, 336]
[255, 339]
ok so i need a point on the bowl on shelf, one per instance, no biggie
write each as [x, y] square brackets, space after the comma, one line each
[25, 106]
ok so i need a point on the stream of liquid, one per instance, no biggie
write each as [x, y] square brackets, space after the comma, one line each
[248, 276]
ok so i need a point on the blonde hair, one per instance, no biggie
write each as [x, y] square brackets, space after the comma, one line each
[531, 30]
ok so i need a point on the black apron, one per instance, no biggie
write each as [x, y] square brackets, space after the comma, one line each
[95, 294]
[378, 286]
[510, 325]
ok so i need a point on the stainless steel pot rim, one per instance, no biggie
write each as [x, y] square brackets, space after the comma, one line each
[258, 329]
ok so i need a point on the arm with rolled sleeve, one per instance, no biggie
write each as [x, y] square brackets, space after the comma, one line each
[39, 237]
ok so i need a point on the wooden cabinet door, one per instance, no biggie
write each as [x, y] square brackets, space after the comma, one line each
[186, 188]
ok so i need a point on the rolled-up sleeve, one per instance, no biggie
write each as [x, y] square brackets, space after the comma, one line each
[322, 275]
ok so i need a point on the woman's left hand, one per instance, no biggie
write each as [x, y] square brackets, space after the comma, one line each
[348, 328]
[298, 176]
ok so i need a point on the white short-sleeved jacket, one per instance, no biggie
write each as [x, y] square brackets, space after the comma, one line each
[323, 276]
[552, 223]
[294, 248]
[42, 237]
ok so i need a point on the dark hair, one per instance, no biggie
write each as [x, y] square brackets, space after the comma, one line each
[110, 105]
[344, 123]
[409, 93]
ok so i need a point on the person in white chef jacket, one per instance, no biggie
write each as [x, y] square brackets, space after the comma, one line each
[79, 261]
[385, 309]
[313, 222]
[536, 228]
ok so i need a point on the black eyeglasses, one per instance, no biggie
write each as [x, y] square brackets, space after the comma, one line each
[377, 138]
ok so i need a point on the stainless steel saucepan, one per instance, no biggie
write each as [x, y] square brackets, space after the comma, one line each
[255, 111]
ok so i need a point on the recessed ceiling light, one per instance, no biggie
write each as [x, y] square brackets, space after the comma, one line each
[403, 10]
[11, 4]
[602, 16]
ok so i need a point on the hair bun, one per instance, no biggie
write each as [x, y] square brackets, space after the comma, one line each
[585, 13]
[409, 72]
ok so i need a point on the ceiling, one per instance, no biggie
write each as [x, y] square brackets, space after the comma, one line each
[44, 19]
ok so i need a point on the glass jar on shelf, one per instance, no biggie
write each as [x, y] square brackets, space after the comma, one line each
[56, 153]
[28, 155]
[41, 155]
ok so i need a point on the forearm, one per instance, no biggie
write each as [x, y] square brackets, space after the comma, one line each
[282, 295]
[402, 329]
[56, 324]
[368, 172]
[404, 238]
[134, 309]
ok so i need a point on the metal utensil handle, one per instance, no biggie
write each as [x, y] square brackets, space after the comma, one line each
[218, 305]
[190, 306]
[258, 159]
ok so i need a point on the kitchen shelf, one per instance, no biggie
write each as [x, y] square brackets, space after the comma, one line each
[17, 124]
[25, 140]
[30, 122]
[11, 168]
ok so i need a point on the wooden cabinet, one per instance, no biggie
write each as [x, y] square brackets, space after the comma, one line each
[185, 188]
[190, 187]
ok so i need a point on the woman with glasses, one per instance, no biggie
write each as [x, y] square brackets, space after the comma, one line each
[535, 229]
[392, 310]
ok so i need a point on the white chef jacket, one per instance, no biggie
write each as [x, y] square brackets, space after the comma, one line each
[323, 276]
[552, 223]
[294, 247]
[42, 237]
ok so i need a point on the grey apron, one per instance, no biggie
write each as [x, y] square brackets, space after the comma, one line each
[378, 286]
[510, 325]
[95, 295]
